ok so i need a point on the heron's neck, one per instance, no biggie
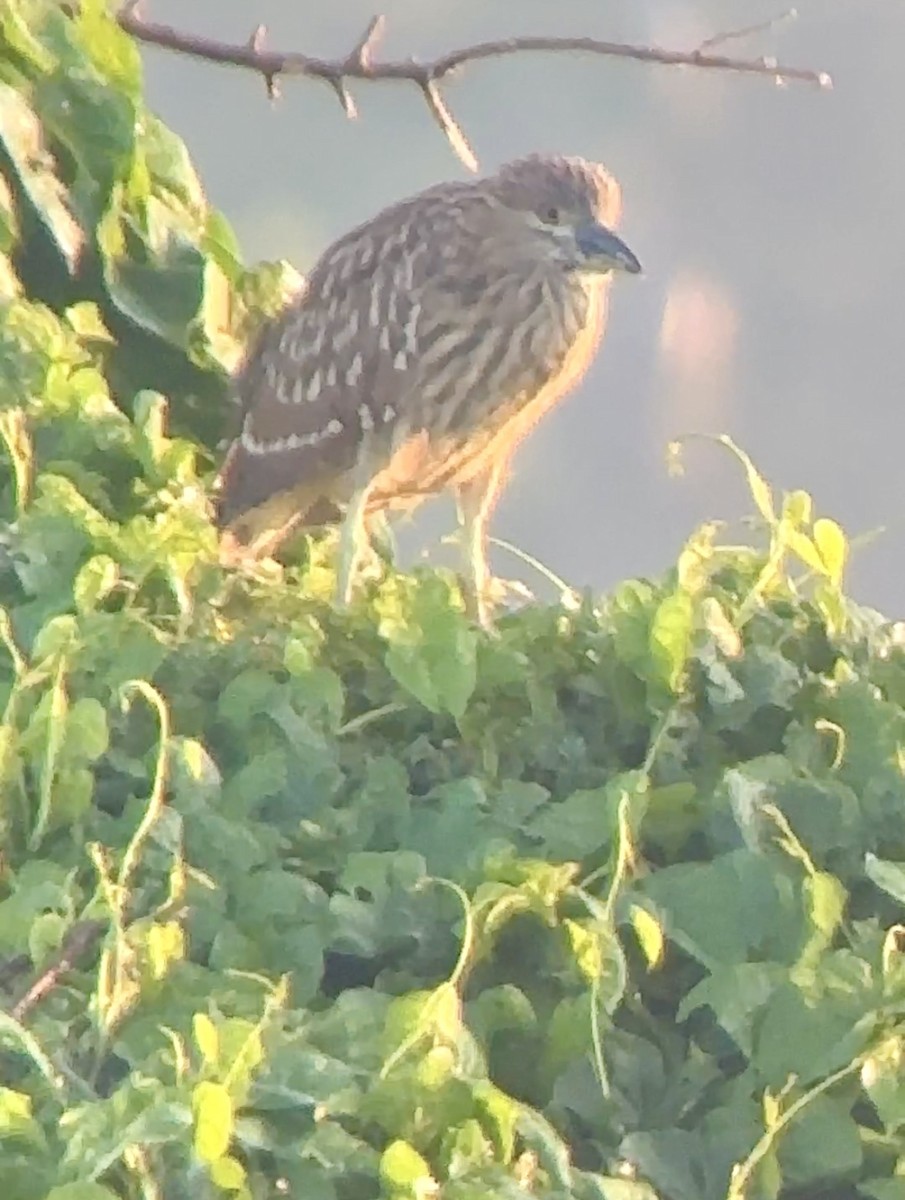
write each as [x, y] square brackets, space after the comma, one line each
[579, 298]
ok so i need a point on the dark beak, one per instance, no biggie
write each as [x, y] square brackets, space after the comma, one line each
[604, 251]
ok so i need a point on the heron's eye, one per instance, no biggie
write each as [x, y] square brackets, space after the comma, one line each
[551, 216]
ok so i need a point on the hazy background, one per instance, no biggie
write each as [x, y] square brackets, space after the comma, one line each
[770, 222]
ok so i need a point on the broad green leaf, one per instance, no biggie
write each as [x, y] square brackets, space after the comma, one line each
[437, 1067]
[213, 1109]
[207, 1039]
[670, 637]
[801, 1037]
[81, 1191]
[827, 899]
[673, 1160]
[649, 933]
[833, 548]
[757, 485]
[87, 736]
[46, 936]
[821, 1145]
[574, 828]
[883, 1189]
[228, 1173]
[241, 1051]
[800, 544]
[797, 508]
[166, 945]
[882, 1077]
[718, 911]
[431, 648]
[402, 1169]
[113, 52]
[22, 138]
[889, 876]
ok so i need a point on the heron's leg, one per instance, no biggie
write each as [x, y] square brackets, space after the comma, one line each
[381, 539]
[353, 545]
[475, 501]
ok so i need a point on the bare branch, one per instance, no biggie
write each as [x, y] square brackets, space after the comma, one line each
[360, 64]
[80, 940]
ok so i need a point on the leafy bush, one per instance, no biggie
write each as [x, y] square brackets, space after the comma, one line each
[343, 905]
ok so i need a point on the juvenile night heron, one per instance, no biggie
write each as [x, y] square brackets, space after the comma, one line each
[424, 346]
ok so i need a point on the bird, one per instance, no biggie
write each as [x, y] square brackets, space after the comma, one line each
[422, 348]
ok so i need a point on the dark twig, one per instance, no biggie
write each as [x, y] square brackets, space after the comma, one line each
[78, 942]
[746, 31]
[360, 64]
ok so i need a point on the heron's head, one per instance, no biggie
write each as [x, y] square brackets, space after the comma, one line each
[563, 209]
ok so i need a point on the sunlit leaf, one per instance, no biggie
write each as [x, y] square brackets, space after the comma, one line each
[213, 1109]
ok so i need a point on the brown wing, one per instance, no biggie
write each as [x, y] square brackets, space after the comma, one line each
[326, 392]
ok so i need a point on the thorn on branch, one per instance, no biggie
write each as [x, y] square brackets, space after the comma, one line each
[447, 122]
[362, 54]
[345, 98]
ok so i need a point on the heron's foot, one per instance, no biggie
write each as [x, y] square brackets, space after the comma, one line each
[496, 594]
[347, 574]
[234, 556]
[483, 599]
[381, 549]
[354, 547]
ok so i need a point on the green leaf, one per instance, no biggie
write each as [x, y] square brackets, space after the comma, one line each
[670, 637]
[578, 826]
[112, 51]
[541, 1137]
[165, 945]
[402, 1169]
[81, 1191]
[87, 736]
[718, 911]
[164, 296]
[882, 1077]
[822, 1145]
[500, 1113]
[228, 1173]
[757, 485]
[888, 876]
[17, 1122]
[797, 507]
[586, 948]
[213, 1109]
[833, 548]
[46, 935]
[207, 1039]
[649, 934]
[431, 648]
[22, 139]
[883, 1189]
[95, 581]
[802, 1037]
